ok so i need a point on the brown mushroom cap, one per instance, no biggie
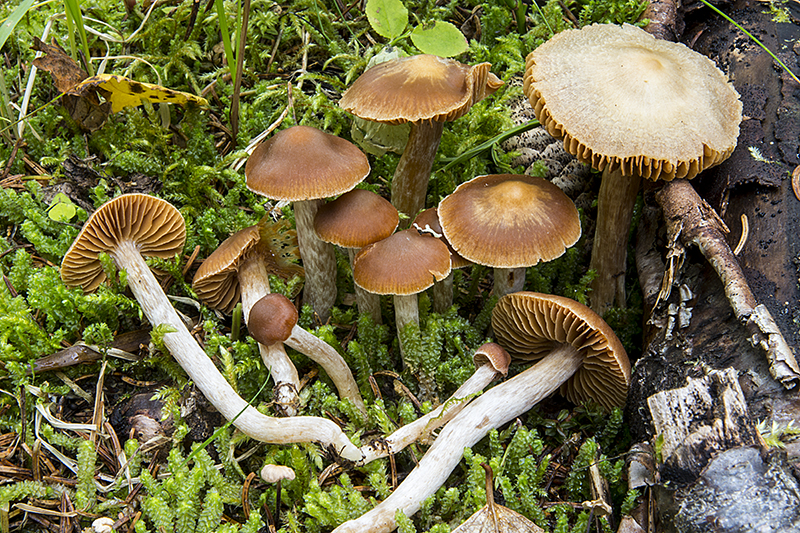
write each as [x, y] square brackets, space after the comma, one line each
[509, 220]
[216, 282]
[493, 354]
[428, 220]
[356, 219]
[416, 88]
[622, 99]
[153, 224]
[272, 319]
[403, 264]
[304, 163]
[530, 325]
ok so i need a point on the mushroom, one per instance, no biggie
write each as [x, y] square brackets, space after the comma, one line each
[304, 165]
[276, 474]
[403, 265]
[239, 267]
[352, 221]
[509, 222]
[491, 362]
[273, 319]
[427, 223]
[135, 224]
[579, 353]
[633, 107]
[425, 91]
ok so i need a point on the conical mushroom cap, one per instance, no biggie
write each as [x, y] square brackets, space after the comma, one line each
[157, 228]
[416, 88]
[622, 99]
[529, 325]
[509, 220]
[404, 264]
[304, 163]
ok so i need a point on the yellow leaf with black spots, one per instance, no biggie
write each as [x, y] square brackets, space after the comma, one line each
[124, 92]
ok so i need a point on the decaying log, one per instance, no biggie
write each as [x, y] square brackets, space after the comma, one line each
[695, 334]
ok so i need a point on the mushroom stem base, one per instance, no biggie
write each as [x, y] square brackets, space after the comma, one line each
[508, 280]
[209, 380]
[490, 411]
[366, 301]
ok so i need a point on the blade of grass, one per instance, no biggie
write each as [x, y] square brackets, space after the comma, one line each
[75, 21]
[753, 37]
[8, 25]
[226, 35]
[472, 152]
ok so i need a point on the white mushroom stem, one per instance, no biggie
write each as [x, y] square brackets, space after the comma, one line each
[366, 301]
[254, 285]
[201, 370]
[508, 280]
[330, 360]
[319, 260]
[491, 410]
[615, 203]
[410, 181]
[424, 425]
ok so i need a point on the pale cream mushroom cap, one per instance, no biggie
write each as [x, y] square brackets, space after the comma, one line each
[157, 228]
[530, 325]
[622, 99]
[509, 220]
[417, 88]
[274, 473]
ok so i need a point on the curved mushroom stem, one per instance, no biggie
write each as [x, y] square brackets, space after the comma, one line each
[508, 280]
[319, 260]
[201, 370]
[254, 286]
[410, 181]
[615, 203]
[330, 360]
[491, 410]
[366, 301]
[424, 425]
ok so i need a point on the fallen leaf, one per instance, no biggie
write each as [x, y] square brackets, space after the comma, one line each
[493, 518]
[124, 92]
[65, 71]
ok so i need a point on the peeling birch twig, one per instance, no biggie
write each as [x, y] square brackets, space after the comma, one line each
[689, 217]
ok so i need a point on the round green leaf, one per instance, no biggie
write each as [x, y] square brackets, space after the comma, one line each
[440, 39]
[62, 209]
[387, 17]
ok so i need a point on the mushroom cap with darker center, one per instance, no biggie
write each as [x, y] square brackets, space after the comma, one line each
[509, 220]
[157, 228]
[272, 319]
[403, 264]
[304, 163]
[356, 219]
[622, 99]
[417, 88]
[530, 325]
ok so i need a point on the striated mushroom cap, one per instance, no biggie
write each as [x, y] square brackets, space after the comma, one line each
[509, 220]
[157, 228]
[304, 163]
[622, 99]
[403, 264]
[417, 88]
[529, 325]
[356, 219]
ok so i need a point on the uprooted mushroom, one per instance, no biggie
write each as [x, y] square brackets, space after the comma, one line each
[577, 352]
[135, 224]
[241, 265]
